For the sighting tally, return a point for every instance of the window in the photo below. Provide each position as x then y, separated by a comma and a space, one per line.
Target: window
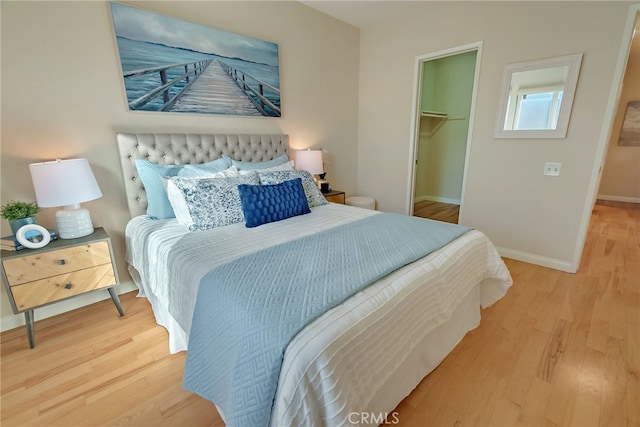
536, 98
533, 109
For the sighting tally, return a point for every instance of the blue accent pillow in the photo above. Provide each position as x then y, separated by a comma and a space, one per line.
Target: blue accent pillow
280, 160
262, 204
158, 206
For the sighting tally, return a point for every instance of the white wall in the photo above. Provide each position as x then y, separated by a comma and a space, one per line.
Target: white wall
531, 216
62, 97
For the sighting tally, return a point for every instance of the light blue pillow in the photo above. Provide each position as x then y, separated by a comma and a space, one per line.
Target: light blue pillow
213, 166
158, 206
151, 174
262, 204
311, 190
280, 160
213, 202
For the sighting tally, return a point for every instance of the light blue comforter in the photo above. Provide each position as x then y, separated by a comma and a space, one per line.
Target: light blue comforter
248, 310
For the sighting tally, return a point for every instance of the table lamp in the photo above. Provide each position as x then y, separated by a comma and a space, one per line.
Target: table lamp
311, 161
66, 183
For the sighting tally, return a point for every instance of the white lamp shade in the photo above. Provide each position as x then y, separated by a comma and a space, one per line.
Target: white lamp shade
310, 160
64, 182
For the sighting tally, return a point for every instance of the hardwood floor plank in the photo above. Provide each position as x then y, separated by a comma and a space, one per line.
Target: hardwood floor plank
555, 347
536, 402
613, 410
506, 413
496, 393
525, 368
438, 211
563, 397
559, 349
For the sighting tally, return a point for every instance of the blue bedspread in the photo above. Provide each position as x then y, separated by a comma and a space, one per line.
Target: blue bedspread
248, 310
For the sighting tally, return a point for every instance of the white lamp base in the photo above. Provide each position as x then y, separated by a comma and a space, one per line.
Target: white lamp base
73, 222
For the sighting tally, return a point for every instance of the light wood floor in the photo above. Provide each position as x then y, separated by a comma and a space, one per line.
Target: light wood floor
435, 210
558, 350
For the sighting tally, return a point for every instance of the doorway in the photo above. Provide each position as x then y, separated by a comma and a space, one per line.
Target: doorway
607, 132
444, 98
620, 179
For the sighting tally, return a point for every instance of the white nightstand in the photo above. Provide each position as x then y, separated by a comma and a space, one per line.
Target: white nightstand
63, 269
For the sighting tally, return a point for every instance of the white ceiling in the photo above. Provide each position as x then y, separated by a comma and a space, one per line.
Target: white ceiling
359, 13
363, 13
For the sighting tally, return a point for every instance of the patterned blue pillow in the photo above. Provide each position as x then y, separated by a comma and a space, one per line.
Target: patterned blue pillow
213, 202
262, 204
311, 190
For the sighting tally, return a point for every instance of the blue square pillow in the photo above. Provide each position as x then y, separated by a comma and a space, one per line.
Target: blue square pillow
262, 204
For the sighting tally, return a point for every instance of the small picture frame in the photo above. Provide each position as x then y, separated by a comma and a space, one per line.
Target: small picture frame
630, 132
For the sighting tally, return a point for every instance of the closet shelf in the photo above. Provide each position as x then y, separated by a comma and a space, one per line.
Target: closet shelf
437, 118
436, 114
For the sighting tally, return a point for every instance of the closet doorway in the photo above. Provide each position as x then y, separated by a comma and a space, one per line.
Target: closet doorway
443, 113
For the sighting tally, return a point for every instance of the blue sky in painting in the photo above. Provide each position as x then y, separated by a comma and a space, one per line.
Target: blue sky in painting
142, 25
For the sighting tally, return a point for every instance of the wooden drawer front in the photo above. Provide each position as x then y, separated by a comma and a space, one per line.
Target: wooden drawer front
43, 291
337, 198
53, 263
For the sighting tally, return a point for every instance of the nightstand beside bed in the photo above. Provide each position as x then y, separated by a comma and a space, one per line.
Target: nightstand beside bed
335, 196
63, 269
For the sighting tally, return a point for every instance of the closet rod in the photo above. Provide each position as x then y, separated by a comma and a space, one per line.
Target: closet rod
438, 114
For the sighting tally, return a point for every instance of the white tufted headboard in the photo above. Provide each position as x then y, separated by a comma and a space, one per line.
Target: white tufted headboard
180, 149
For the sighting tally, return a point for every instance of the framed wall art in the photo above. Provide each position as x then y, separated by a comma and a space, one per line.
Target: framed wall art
170, 65
630, 133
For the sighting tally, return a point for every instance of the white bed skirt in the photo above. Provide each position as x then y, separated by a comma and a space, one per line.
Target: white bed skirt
331, 407
429, 352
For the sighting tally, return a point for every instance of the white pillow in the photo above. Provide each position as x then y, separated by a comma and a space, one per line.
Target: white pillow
281, 159
179, 205
283, 167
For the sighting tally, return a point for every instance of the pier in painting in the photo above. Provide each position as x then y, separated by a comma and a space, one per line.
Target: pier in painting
208, 85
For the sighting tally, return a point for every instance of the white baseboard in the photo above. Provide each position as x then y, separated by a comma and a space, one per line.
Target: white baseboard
556, 264
11, 321
437, 199
619, 198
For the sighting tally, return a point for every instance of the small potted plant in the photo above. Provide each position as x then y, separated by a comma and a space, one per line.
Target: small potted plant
19, 214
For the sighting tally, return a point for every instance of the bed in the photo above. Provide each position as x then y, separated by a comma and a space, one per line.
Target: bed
351, 365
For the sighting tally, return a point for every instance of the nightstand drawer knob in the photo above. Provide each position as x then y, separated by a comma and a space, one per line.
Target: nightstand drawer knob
61, 262
68, 286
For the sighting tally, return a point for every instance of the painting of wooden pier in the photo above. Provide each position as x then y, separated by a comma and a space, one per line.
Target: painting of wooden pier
169, 65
